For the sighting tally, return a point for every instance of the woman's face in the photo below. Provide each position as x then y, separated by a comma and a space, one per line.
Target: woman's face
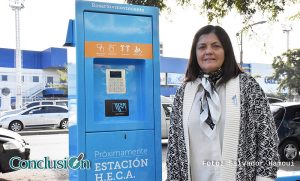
209, 52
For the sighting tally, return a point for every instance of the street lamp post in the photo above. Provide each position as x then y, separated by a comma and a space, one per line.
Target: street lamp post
286, 29
240, 33
16, 6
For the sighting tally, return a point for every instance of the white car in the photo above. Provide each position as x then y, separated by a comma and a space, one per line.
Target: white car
37, 116
166, 108
46, 102
36, 103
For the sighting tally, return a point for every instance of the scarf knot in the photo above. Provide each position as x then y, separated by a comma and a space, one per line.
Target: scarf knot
210, 109
212, 77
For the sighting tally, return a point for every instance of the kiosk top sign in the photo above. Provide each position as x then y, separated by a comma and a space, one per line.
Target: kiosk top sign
117, 7
118, 50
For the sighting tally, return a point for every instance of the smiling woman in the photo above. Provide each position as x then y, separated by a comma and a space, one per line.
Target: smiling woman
210, 53
219, 106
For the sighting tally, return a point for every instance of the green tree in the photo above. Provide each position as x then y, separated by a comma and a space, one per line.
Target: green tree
287, 71
63, 77
296, 16
216, 9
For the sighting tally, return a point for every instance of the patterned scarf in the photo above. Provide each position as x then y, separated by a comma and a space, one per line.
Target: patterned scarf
210, 111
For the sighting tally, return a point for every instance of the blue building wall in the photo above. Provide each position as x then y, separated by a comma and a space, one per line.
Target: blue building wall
7, 58
31, 59
53, 92
173, 65
49, 58
54, 58
168, 90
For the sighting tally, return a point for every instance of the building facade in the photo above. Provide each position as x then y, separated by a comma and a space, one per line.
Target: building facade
173, 70
39, 72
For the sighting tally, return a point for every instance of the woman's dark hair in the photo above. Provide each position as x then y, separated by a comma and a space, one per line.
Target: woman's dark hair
230, 67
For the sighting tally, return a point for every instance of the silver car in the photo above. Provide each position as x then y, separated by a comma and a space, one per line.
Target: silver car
37, 116
36, 103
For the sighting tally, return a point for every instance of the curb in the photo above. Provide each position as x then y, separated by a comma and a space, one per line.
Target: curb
43, 132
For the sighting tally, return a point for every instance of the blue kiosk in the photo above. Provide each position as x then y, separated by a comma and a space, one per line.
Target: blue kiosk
115, 112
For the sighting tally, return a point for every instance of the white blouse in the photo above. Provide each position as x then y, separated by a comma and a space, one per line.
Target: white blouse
205, 152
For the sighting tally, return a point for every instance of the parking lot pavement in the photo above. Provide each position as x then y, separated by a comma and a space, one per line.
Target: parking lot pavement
42, 131
34, 175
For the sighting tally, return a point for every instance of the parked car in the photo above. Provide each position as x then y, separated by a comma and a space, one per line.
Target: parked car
36, 103
287, 120
12, 145
274, 100
37, 116
46, 102
166, 108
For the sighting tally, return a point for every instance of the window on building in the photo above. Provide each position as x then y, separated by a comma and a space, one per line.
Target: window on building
35, 79
23, 78
13, 102
174, 78
49, 80
163, 78
161, 49
4, 77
